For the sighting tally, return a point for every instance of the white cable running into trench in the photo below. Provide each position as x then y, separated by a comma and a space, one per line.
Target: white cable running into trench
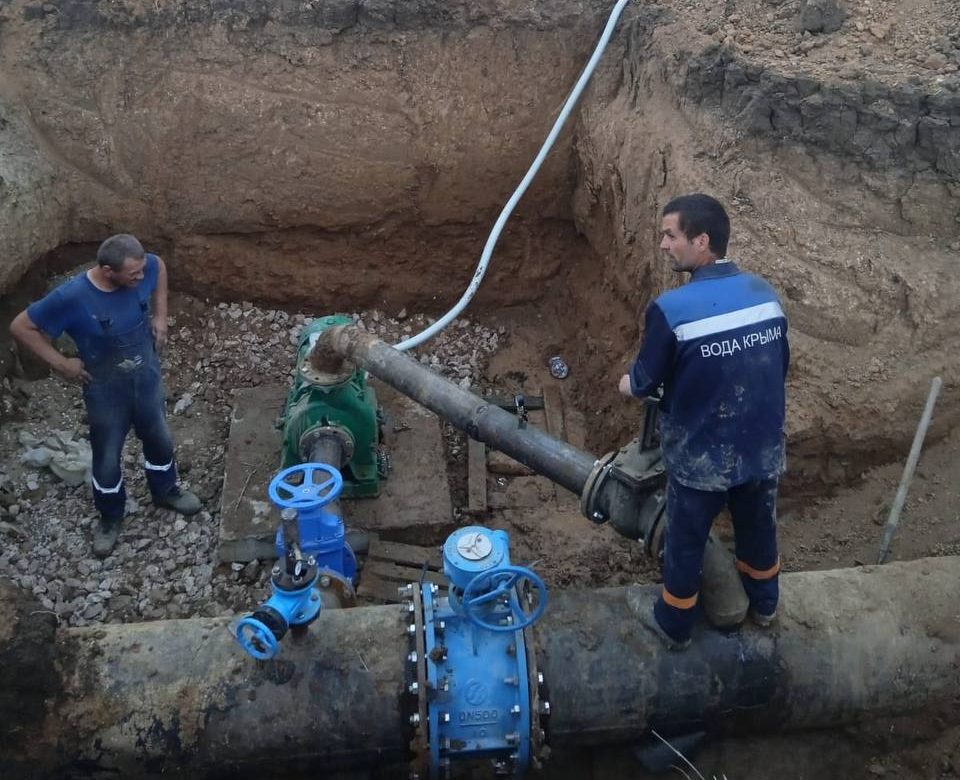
498, 226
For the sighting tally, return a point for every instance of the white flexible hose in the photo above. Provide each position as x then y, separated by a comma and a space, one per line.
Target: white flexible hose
478, 275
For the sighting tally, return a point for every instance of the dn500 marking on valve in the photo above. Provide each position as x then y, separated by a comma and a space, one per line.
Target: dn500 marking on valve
477, 717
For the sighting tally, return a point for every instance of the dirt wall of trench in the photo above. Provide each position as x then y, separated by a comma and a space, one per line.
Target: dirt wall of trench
844, 194
306, 153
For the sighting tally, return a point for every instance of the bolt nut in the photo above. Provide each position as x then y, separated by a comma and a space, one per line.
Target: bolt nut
412, 658
512, 738
441, 625
415, 719
410, 607
545, 708
445, 717
434, 588
515, 709
540, 678
414, 687
412, 629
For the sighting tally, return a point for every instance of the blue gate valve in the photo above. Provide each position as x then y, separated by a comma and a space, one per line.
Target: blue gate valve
307, 488
476, 677
295, 602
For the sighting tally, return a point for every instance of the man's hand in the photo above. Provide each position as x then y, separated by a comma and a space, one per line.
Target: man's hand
158, 325
624, 385
72, 370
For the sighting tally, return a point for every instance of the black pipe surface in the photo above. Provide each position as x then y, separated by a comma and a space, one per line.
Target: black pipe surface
545, 454
181, 697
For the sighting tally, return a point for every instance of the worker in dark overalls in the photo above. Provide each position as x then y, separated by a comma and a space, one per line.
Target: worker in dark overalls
718, 346
107, 312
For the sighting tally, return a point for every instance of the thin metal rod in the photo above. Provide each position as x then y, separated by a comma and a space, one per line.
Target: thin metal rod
894, 518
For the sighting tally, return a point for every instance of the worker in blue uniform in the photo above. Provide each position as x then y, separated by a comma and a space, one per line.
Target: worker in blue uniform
718, 346
116, 313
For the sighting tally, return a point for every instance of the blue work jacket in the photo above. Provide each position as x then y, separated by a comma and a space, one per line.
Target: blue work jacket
718, 345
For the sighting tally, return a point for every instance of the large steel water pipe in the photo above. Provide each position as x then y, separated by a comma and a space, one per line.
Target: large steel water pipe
623, 487
179, 698
564, 464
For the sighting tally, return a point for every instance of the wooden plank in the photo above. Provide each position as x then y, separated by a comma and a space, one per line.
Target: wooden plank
375, 589
476, 476
408, 554
553, 409
401, 575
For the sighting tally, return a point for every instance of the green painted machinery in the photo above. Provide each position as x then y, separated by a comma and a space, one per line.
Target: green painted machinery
333, 417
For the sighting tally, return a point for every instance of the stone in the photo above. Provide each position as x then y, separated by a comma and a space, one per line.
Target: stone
250, 572
821, 16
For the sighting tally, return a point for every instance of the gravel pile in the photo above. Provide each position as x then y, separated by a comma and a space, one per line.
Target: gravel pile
164, 565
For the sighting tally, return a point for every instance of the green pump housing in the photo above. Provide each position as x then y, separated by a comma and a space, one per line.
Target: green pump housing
343, 406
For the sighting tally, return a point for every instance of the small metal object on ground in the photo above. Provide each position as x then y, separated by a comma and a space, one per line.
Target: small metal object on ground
559, 368
908, 470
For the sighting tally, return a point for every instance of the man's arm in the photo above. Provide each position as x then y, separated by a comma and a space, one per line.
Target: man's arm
32, 338
655, 358
158, 304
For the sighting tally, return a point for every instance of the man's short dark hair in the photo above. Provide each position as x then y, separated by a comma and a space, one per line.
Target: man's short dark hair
699, 213
116, 249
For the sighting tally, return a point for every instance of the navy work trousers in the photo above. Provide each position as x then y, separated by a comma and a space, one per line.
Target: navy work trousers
114, 404
690, 513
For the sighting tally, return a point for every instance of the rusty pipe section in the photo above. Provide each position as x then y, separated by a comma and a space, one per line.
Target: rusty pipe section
531, 446
179, 699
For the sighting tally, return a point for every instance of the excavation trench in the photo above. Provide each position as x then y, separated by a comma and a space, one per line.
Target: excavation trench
289, 163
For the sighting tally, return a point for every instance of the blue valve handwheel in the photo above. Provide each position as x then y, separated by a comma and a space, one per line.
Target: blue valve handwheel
310, 493
489, 586
257, 639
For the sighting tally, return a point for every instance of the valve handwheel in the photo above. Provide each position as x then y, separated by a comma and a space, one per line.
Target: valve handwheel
489, 586
256, 638
319, 485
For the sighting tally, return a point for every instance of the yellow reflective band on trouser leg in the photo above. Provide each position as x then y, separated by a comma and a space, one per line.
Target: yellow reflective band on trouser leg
100, 489
679, 603
758, 574
151, 467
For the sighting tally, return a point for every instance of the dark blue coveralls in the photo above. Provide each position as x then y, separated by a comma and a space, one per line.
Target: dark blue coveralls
114, 341
718, 345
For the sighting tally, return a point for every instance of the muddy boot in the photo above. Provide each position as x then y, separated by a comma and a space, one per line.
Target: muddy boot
649, 619
762, 620
182, 501
724, 600
105, 536
640, 604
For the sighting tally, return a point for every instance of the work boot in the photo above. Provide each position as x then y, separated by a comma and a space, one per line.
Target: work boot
649, 619
762, 620
105, 536
181, 501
